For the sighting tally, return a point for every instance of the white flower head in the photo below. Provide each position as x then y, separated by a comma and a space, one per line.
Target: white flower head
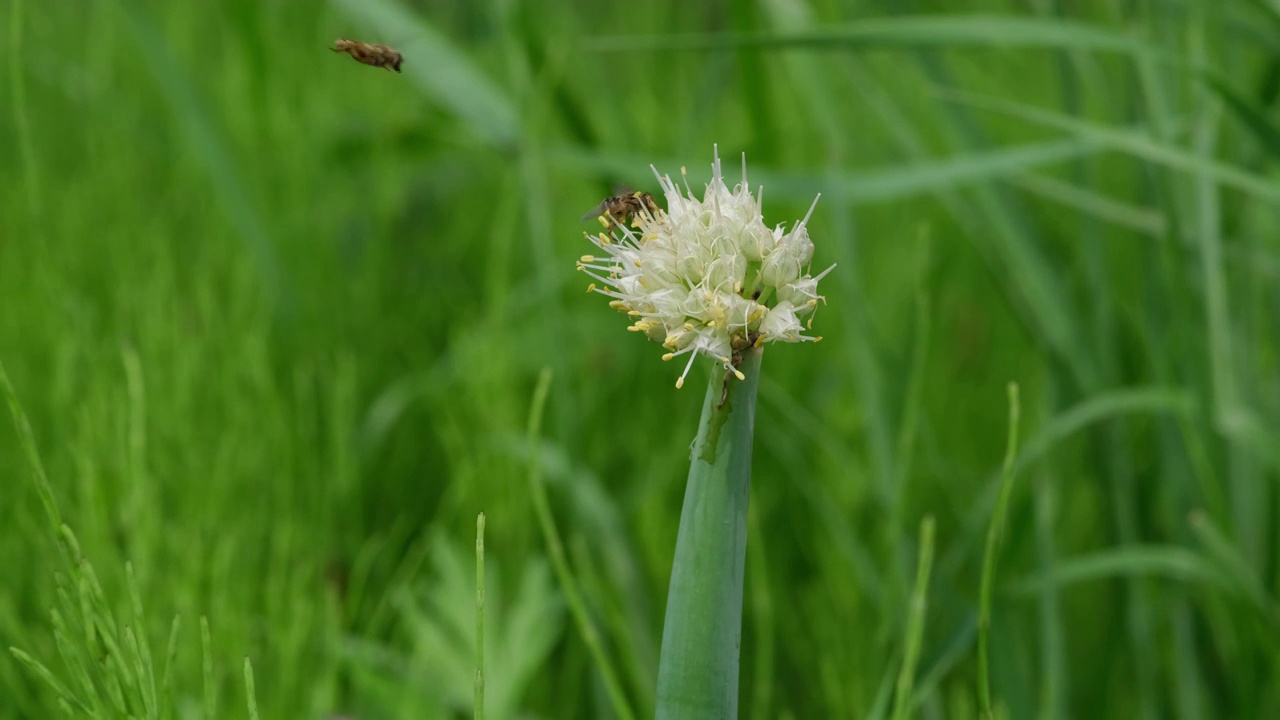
707, 276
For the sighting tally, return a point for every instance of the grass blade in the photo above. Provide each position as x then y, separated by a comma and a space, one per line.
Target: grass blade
915, 623
250, 693
1101, 407
1171, 562
568, 584
1259, 123
21, 125
1132, 141
989, 557
211, 147
209, 696
907, 31
876, 185
479, 700
26, 438
170, 657
1227, 556
42, 672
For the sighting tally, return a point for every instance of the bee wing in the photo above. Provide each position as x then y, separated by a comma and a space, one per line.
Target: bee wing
596, 211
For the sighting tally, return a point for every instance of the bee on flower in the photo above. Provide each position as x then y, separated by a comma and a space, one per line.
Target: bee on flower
621, 208
708, 277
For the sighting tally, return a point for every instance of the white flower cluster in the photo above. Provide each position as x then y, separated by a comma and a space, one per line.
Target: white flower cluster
707, 276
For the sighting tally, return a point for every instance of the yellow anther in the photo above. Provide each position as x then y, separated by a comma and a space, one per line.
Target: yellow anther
738, 374
591, 288
679, 383
668, 356
587, 258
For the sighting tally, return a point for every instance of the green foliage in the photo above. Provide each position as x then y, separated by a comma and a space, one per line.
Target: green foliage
276, 320
431, 671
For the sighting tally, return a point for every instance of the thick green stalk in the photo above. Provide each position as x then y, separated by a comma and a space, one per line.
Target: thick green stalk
698, 668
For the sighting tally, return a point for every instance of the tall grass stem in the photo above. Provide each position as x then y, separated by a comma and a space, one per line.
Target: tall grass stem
479, 701
915, 622
568, 584
989, 556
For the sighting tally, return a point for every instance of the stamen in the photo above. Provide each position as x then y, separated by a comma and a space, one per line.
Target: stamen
680, 381
602, 279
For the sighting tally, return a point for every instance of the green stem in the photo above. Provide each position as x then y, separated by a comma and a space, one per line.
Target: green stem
22, 128
915, 622
986, 711
478, 710
560, 563
698, 668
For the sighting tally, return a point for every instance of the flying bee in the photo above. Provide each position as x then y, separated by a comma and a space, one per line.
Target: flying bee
370, 53
623, 207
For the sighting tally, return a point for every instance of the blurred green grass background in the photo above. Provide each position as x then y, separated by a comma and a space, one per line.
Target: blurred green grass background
276, 318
